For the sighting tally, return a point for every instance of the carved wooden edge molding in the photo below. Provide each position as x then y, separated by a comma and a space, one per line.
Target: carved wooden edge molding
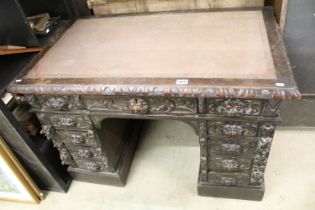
120, 90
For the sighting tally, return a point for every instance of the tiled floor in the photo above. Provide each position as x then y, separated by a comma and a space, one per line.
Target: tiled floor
164, 177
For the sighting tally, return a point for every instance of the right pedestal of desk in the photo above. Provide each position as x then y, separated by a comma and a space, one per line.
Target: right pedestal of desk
234, 149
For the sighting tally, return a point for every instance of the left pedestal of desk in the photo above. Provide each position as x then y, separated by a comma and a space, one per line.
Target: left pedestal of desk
97, 149
46, 176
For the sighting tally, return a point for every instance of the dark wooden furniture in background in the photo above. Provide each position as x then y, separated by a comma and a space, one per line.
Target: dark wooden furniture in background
83, 103
299, 37
297, 21
36, 153
104, 7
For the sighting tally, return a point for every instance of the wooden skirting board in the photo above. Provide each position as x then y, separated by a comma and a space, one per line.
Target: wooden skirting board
104, 7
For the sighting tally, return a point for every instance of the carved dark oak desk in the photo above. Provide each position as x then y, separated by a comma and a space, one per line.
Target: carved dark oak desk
224, 73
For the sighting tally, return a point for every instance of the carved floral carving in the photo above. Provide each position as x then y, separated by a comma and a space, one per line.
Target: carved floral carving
55, 102
84, 153
272, 108
138, 106
261, 154
225, 180
232, 129
85, 138
65, 121
166, 106
94, 166
143, 104
65, 156
48, 131
76, 139
232, 147
173, 105
222, 163
228, 179
230, 164
30, 99
59, 102
234, 107
203, 151
87, 153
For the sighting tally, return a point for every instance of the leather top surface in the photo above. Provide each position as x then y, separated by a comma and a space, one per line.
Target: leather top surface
230, 45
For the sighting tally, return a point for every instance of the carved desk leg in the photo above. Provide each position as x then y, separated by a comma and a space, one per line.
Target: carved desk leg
232, 164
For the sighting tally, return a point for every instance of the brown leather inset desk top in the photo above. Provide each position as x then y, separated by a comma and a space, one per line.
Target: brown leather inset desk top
231, 54
191, 45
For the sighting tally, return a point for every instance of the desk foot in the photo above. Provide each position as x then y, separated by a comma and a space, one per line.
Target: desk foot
119, 177
234, 192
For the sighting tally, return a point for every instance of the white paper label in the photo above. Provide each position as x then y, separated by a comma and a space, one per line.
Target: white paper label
280, 84
181, 81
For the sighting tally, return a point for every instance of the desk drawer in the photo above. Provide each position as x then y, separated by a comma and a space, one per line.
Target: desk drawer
234, 107
80, 138
59, 102
233, 129
232, 147
92, 165
228, 179
141, 105
64, 121
86, 153
230, 164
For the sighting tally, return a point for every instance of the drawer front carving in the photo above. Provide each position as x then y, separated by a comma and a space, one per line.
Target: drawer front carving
84, 138
232, 147
54, 102
86, 153
234, 107
245, 129
228, 179
225, 163
141, 105
65, 120
92, 165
